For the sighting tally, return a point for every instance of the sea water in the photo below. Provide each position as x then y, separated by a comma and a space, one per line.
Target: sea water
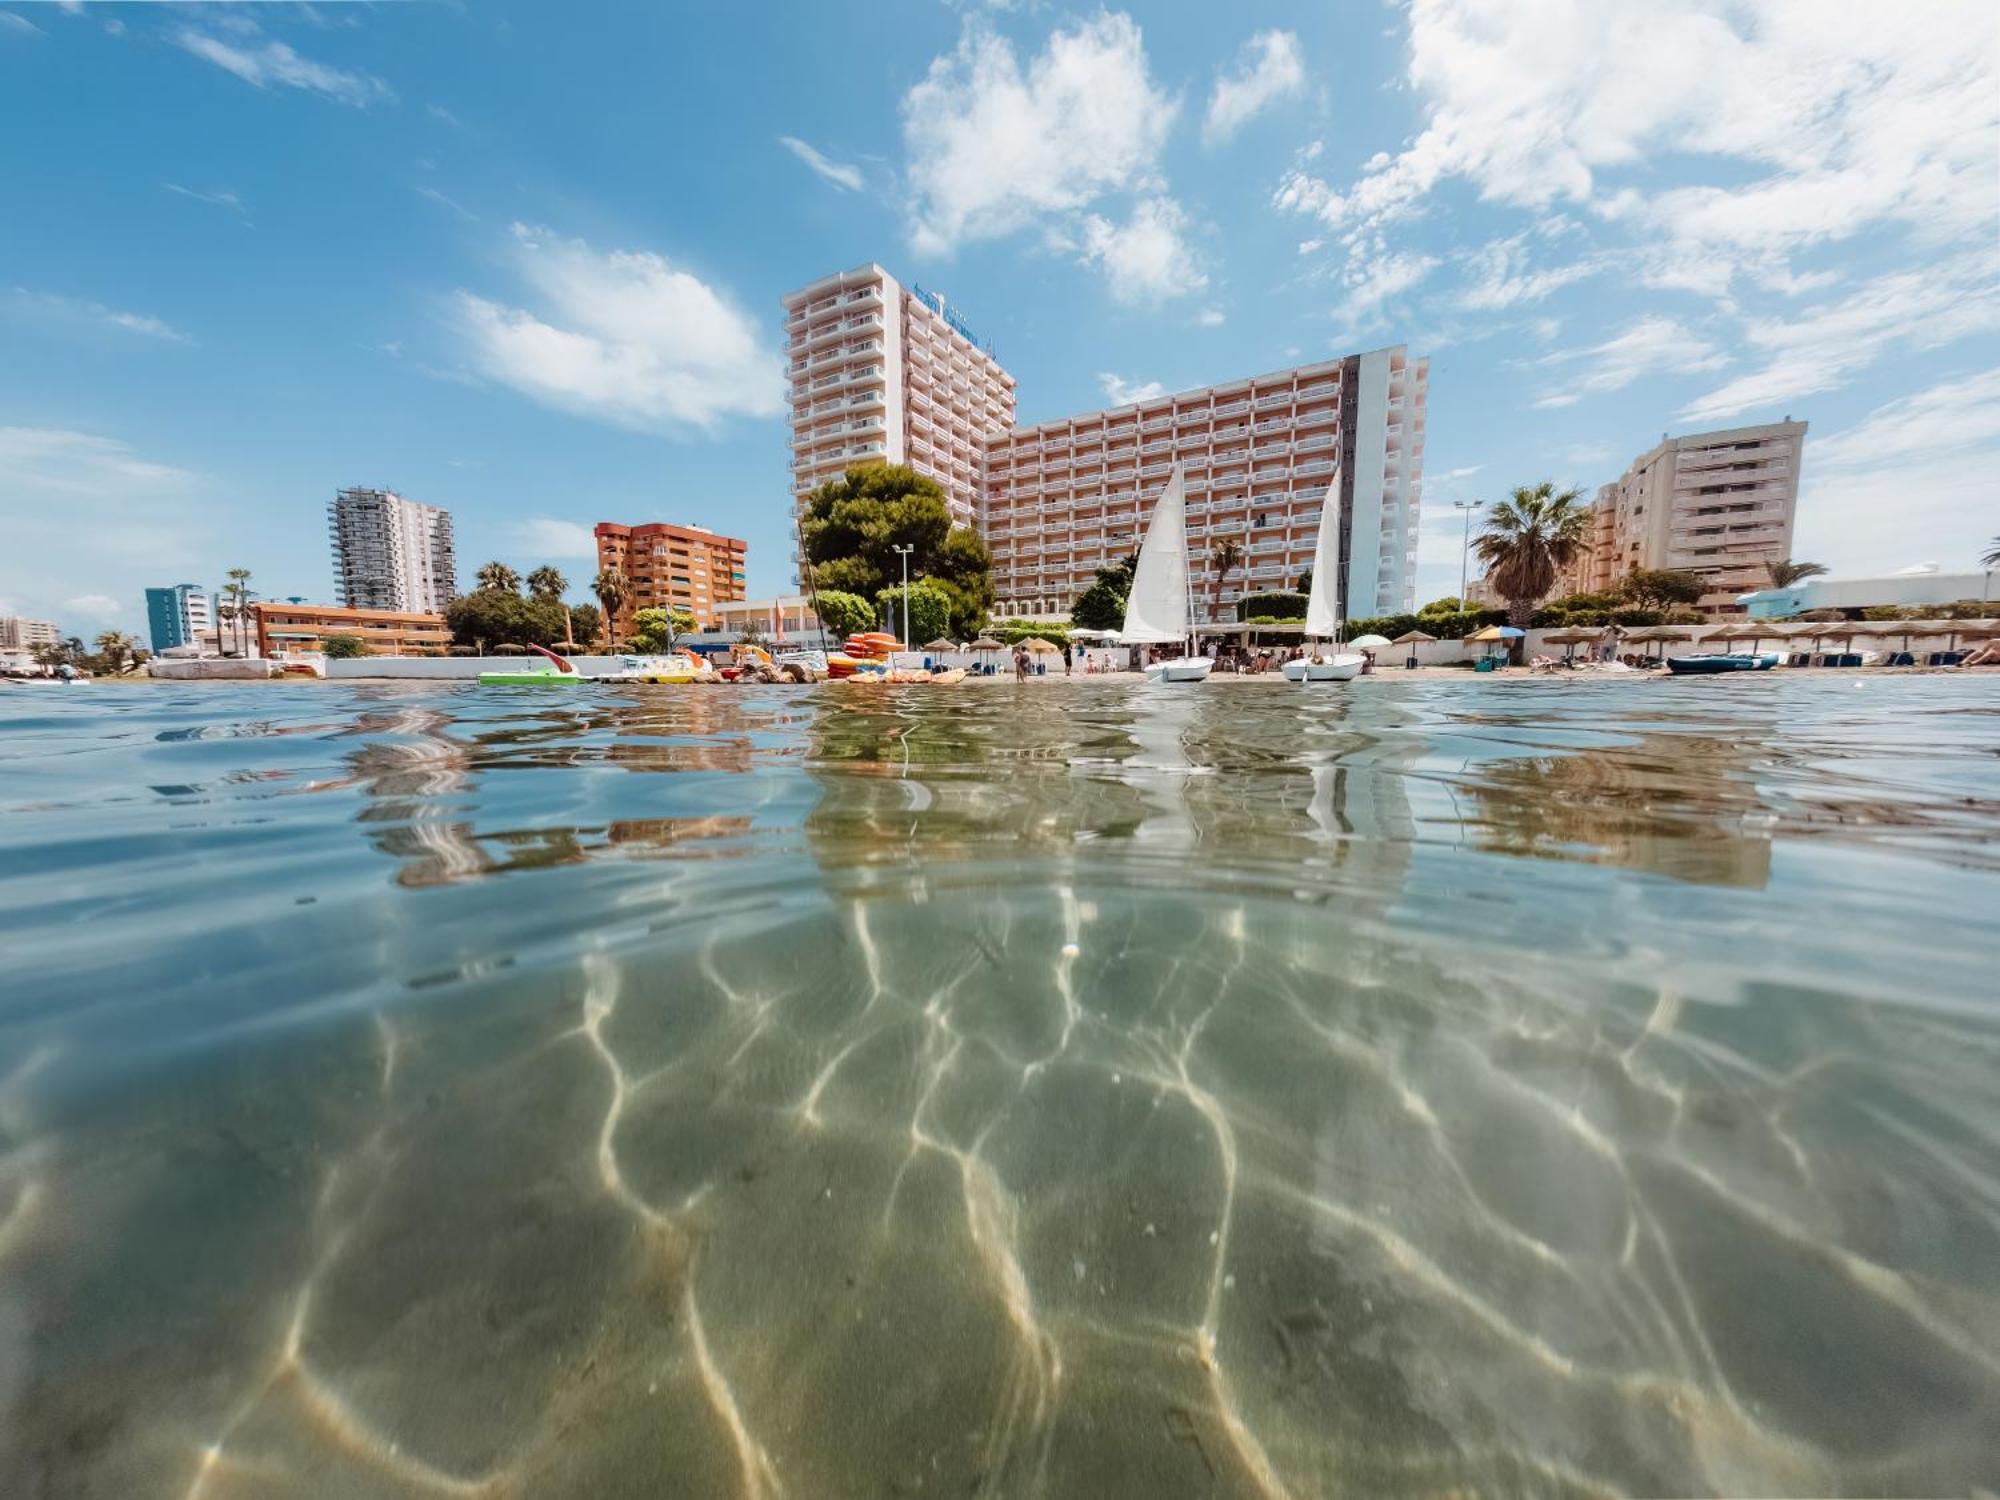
1093, 1089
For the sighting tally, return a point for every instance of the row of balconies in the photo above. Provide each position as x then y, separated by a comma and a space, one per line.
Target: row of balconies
1087, 446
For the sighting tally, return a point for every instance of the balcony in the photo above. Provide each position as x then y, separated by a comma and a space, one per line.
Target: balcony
1232, 408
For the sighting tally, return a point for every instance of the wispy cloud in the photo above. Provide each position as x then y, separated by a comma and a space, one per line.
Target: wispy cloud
623, 337
1652, 345
841, 174
1121, 392
54, 307
432, 195
263, 62
1210, 317
1269, 69
18, 25
217, 198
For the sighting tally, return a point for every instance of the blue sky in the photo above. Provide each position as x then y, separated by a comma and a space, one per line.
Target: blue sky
523, 261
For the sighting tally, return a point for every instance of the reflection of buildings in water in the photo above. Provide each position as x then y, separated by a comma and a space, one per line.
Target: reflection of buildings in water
1672, 804
441, 853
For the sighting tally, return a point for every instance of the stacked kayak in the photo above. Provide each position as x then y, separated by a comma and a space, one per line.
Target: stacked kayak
864, 652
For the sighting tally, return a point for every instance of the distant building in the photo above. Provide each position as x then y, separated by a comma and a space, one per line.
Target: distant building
786, 620
390, 553
1911, 587
672, 567
1719, 504
178, 615
289, 629
20, 634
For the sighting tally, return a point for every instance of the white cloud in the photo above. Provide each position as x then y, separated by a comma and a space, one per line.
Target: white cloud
51, 305
1821, 347
1121, 392
623, 337
265, 62
1813, 121
1210, 317
1147, 259
432, 195
55, 461
1268, 69
219, 198
1653, 345
1371, 282
18, 25
1502, 277
1913, 479
99, 609
992, 149
548, 539
440, 113
841, 174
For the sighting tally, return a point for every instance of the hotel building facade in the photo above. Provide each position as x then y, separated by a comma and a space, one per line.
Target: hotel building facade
292, 629
18, 633
178, 615
390, 553
672, 567
881, 372
1718, 504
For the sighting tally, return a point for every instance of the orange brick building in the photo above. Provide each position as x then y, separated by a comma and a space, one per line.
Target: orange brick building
288, 629
672, 567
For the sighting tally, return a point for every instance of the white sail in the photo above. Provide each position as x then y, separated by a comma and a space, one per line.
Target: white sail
1323, 603
1157, 608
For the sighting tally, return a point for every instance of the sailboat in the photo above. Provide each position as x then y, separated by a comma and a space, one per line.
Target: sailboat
1329, 664
1161, 604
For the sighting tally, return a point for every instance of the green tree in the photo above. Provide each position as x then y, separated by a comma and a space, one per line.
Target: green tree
1226, 556
610, 588
1305, 583
852, 525
586, 624
656, 630
842, 613
343, 647
114, 650
236, 593
1529, 539
1102, 605
1449, 605
547, 583
1784, 574
930, 610
1661, 588
490, 617
498, 578
1277, 605
1990, 558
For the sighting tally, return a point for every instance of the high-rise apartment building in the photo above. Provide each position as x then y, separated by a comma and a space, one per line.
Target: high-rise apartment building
18, 633
390, 553
884, 371
672, 567
178, 615
1720, 504
880, 372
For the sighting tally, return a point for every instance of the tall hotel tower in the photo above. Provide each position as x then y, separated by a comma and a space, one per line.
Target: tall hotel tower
391, 553
883, 373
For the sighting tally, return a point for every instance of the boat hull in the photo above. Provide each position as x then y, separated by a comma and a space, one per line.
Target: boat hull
529, 679
1343, 666
1181, 669
1736, 661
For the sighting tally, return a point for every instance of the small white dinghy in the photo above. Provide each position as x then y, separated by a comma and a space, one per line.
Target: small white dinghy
1160, 606
1325, 663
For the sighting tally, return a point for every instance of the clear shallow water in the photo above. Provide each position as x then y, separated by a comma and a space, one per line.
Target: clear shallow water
1556, 1088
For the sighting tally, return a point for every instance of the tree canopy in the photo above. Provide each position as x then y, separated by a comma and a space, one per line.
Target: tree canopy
842, 613
489, 617
853, 524
547, 582
1660, 588
499, 578
343, 647
1784, 574
1102, 605
657, 629
930, 611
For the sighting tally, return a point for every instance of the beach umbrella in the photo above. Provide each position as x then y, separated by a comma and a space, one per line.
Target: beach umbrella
941, 644
1569, 640
1039, 647
1494, 633
1369, 642
1412, 639
986, 643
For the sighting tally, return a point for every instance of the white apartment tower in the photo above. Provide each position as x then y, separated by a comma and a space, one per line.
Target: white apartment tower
391, 553
883, 372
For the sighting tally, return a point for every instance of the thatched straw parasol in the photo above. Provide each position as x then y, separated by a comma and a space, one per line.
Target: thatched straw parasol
941, 644
986, 643
1412, 639
1569, 640
1040, 647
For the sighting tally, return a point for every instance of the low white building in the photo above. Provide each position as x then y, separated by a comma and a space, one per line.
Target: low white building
1923, 584
787, 619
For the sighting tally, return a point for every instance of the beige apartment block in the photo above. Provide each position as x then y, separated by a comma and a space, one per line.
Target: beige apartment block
892, 373
1720, 504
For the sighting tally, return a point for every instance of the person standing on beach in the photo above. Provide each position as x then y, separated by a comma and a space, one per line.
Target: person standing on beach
1066, 659
1020, 663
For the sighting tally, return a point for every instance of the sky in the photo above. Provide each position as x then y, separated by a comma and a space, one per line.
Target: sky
524, 260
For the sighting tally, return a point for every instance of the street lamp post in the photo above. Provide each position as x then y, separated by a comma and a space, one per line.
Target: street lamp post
1465, 547
904, 553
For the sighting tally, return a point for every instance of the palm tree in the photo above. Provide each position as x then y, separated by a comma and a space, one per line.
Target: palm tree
1530, 538
1785, 574
1991, 557
113, 647
1225, 557
609, 586
547, 583
238, 608
500, 578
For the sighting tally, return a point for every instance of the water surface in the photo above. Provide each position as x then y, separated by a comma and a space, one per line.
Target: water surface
1561, 1088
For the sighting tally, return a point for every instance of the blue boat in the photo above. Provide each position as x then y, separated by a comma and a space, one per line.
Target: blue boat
1722, 661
